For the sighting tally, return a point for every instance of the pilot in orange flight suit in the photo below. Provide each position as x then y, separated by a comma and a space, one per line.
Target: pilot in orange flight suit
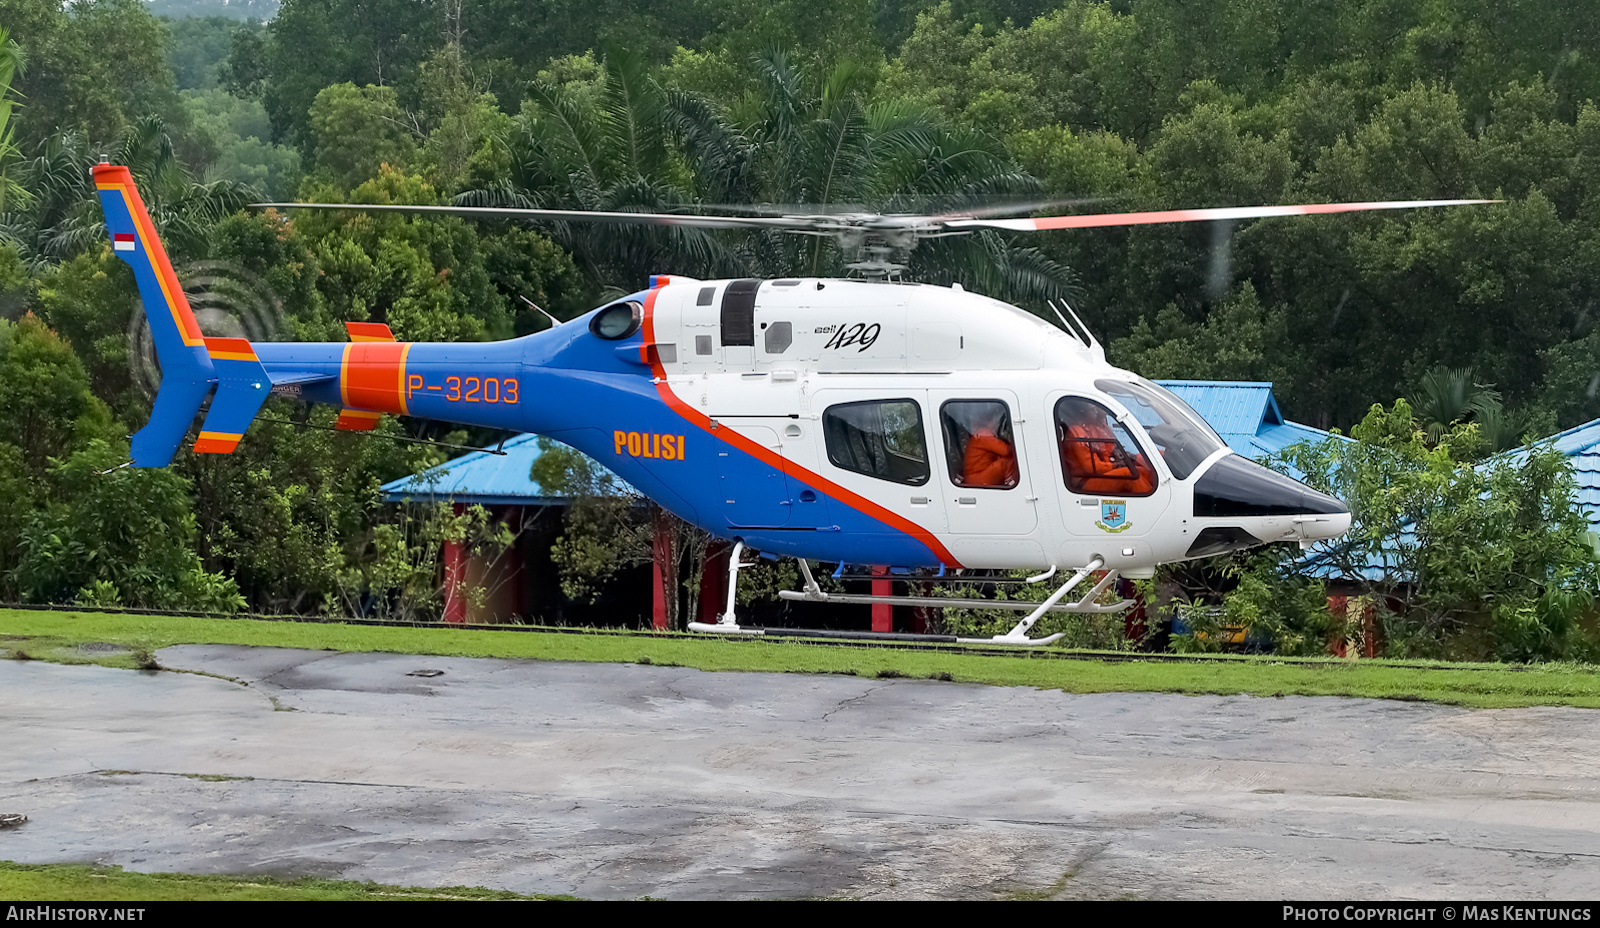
1096, 462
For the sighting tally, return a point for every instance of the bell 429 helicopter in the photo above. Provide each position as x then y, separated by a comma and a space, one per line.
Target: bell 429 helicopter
854, 421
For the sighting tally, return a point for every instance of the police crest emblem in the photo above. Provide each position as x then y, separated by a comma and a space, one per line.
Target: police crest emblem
1114, 516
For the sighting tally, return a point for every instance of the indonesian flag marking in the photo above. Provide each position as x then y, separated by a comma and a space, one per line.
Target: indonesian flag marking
122, 241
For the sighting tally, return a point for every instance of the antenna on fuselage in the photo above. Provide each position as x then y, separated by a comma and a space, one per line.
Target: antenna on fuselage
553, 320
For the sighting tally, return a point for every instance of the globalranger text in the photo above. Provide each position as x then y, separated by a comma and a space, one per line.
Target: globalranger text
61, 913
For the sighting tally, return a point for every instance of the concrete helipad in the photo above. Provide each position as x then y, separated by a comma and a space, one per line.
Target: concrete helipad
618, 781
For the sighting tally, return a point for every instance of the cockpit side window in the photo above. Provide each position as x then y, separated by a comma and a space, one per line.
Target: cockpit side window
979, 446
1182, 437
1098, 455
880, 438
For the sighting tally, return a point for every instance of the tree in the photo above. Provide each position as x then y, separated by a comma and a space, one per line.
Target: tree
601, 145
126, 536
1460, 560
12, 62
817, 142
95, 66
64, 218
1447, 398
356, 130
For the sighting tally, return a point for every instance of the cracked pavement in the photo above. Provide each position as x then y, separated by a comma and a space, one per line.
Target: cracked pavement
621, 781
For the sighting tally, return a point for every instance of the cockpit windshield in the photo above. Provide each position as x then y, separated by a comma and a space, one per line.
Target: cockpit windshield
1185, 439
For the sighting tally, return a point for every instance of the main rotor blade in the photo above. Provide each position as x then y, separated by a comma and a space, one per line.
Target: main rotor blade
1102, 220
796, 223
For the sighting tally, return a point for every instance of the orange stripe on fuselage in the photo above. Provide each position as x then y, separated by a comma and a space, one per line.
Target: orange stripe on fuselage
177, 302
372, 375
853, 500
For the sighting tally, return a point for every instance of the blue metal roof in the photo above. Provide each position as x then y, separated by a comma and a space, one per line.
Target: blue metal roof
1234, 408
480, 477
1245, 414
1581, 444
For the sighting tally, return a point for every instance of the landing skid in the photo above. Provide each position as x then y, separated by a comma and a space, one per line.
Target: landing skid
728, 624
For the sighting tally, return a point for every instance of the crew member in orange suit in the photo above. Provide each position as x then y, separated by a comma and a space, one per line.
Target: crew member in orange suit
1097, 462
990, 460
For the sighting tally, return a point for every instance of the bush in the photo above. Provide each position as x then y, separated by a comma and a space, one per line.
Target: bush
1486, 560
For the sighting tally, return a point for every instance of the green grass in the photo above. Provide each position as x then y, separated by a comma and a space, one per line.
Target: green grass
81, 883
58, 636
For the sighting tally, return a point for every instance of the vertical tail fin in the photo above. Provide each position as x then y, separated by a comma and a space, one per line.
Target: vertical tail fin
187, 373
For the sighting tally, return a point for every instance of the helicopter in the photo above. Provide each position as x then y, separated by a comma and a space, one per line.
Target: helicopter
858, 420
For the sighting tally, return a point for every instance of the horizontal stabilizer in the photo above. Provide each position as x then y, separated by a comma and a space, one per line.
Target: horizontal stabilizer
357, 420
369, 332
290, 378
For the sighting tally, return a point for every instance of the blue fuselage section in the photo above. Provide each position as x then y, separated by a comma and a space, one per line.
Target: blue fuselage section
602, 398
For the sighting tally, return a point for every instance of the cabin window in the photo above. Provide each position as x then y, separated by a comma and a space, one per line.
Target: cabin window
702, 344
1182, 438
880, 438
979, 446
778, 337
706, 293
1098, 455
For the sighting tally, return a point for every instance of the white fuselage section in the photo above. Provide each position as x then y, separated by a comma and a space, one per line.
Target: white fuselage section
815, 344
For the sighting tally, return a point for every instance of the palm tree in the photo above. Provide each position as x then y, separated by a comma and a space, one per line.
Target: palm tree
825, 149
63, 217
12, 62
808, 148
608, 152
1447, 397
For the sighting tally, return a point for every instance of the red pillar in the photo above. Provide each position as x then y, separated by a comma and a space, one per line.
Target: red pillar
662, 574
455, 576
714, 582
882, 613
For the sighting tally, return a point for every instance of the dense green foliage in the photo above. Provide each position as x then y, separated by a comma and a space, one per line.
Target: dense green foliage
1484, 315
1450, 555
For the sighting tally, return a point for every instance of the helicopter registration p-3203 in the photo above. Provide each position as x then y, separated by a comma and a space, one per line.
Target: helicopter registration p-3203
855, 421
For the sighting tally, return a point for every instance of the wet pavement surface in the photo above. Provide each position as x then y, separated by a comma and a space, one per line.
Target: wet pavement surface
622, 781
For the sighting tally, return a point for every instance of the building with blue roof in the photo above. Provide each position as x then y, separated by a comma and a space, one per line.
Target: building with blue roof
1581, 445
482, 478
1245, 414
522, 581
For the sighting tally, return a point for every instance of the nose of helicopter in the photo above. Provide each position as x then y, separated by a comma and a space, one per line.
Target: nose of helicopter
1235, 487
